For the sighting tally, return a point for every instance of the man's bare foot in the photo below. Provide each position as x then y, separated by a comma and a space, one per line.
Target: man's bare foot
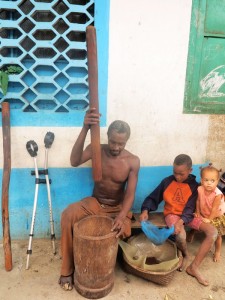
216, 257
195, 273
66, 282
183, 264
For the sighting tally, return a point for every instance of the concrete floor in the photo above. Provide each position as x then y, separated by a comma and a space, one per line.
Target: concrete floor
40, 281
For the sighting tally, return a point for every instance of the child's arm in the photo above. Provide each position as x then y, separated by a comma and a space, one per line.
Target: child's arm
215, 208
197, 209
143, 216
152, 201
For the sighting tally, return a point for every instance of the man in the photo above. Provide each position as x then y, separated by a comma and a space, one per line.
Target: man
112, 196
179, 191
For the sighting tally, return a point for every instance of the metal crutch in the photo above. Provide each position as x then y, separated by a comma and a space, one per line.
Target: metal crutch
48, 140
32, 148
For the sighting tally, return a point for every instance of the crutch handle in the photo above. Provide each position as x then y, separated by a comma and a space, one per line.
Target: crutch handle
40, 172
49, 138
32, 148
43, 181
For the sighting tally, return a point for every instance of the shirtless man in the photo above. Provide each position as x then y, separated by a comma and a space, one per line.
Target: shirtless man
112, 196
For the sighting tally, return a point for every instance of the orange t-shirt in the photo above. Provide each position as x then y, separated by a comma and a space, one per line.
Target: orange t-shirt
176, 196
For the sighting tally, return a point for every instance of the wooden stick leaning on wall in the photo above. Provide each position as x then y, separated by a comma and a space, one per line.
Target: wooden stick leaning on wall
93, 93
5, 185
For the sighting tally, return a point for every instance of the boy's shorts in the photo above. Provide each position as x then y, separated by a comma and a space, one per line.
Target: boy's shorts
172, 219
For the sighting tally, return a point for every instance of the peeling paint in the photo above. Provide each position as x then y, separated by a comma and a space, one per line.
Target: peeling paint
215, 151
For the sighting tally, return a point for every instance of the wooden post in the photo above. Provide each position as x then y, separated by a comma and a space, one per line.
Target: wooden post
93, 93
5, 185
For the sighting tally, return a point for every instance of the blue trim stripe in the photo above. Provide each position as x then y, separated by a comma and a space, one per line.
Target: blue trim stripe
68, 185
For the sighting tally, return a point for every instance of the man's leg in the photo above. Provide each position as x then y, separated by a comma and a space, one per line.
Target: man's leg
72, 214
210, 237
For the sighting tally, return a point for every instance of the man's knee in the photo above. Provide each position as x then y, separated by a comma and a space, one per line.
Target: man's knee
66, 216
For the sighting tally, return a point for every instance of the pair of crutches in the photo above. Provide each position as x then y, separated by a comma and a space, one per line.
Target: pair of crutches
32, 149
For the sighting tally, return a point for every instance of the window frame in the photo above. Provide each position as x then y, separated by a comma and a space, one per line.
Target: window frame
193, 103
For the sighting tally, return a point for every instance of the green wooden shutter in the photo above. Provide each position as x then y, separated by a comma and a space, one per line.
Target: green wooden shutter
205, 78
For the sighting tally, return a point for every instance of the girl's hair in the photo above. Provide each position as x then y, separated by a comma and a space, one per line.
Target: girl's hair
120, 127
209, 168
183, 159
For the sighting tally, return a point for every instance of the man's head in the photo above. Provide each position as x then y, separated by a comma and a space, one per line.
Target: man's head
118, 134
182, 167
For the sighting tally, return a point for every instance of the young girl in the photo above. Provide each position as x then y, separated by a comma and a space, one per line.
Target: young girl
210, 205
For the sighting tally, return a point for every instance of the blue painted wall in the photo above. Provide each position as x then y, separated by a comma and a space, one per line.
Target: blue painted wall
68, 185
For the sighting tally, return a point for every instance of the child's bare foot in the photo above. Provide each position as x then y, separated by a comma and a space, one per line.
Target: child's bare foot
216, 257
195, 273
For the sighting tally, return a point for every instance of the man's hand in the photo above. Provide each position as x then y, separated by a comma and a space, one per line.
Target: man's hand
118, 225
91, 117
143, 216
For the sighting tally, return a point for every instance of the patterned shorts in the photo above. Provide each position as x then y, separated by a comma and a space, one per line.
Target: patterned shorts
172, 219
219, 223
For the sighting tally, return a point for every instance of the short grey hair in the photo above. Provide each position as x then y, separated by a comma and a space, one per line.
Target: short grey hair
120, 127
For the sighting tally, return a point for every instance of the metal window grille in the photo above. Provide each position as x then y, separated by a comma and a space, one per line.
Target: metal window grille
47, 39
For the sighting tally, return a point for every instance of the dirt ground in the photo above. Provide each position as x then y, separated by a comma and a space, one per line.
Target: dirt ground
40, 281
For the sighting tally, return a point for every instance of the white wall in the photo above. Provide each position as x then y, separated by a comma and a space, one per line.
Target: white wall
148, 46
148, 50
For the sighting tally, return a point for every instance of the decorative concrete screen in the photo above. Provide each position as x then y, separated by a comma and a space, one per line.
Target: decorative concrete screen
47, 39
